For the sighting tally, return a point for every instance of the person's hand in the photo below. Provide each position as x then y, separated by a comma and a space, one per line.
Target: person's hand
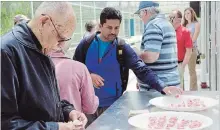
76, 115
172, 90
97, 80
69, 126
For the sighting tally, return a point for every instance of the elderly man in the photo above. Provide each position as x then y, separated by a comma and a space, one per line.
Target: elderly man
184, 42
158, 45
29, 91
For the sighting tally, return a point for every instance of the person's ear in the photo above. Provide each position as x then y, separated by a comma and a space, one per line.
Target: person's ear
44, 19
100, 25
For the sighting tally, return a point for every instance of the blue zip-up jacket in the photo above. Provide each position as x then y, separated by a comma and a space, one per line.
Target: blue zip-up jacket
29, 92
109, 69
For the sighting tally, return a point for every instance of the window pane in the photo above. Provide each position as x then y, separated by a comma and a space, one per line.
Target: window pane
98, 12
87, 15
90, 3
137, 26
100, 4
78, 20
113, 4
36, 4
126, 24
121, 31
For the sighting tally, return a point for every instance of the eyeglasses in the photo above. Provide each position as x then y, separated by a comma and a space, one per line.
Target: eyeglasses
171, 18
141, 12
62, 39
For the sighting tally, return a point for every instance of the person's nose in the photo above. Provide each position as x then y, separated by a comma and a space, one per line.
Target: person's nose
113, 31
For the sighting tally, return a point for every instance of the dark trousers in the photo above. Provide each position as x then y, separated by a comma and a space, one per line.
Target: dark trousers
93, 117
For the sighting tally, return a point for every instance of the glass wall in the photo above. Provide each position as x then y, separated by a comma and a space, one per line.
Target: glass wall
86, 11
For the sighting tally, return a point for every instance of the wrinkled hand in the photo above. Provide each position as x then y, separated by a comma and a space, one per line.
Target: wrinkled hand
69, 126
76, 115
172, 90
97, 80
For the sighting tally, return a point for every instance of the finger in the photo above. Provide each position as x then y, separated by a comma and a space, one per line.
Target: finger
83, 119
77, 127
74, 115
168, 92
180, 90
97, 83
101, 78
96, 86
100, 82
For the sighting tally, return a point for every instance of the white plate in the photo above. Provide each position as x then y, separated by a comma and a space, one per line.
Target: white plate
171, 103
142, 121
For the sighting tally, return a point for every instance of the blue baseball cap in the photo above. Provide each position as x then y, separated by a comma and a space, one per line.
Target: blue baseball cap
146, 4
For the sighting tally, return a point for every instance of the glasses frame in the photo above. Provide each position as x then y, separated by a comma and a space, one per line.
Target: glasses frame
142, 10
62, 38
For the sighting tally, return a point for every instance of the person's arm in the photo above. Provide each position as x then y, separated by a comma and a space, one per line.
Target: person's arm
141, 70
188, 45
10, 118
187, 56
153, 38
196, 33
66, 108
78, 55
90, 101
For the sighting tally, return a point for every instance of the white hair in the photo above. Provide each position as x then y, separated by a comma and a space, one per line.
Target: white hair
59, 8
152, 10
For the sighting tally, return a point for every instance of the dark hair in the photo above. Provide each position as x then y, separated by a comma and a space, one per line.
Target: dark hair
193, 16
110, 13
90, 25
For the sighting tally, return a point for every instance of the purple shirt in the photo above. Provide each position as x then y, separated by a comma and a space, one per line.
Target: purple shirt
75, 83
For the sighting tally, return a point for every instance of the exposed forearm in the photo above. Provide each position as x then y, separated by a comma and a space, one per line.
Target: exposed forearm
196, 34
187, 56
149, 57
194, 38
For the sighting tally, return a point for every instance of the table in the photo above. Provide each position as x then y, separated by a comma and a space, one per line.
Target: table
117, 115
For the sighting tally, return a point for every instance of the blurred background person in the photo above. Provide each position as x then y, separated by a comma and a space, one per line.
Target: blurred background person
91, 27
184, 42
20, 18
190, 21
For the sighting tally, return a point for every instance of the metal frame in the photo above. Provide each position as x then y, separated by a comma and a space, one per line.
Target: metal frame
213, 46
203, 40
218, 43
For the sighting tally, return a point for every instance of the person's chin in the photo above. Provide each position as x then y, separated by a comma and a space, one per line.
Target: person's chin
111, 38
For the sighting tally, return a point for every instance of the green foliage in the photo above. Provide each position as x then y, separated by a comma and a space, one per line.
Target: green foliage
11, 8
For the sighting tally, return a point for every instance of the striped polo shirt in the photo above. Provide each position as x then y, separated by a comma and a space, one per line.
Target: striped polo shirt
160, 36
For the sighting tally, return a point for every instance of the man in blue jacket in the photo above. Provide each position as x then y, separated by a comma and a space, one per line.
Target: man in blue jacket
101, 60
29, 92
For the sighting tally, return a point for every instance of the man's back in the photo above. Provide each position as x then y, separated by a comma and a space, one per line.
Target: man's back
75, 83
159, 29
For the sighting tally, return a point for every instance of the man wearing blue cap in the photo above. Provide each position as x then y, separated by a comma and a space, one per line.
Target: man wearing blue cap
159, 45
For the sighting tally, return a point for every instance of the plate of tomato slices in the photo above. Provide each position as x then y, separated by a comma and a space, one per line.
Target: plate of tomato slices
184, 103
168, 120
